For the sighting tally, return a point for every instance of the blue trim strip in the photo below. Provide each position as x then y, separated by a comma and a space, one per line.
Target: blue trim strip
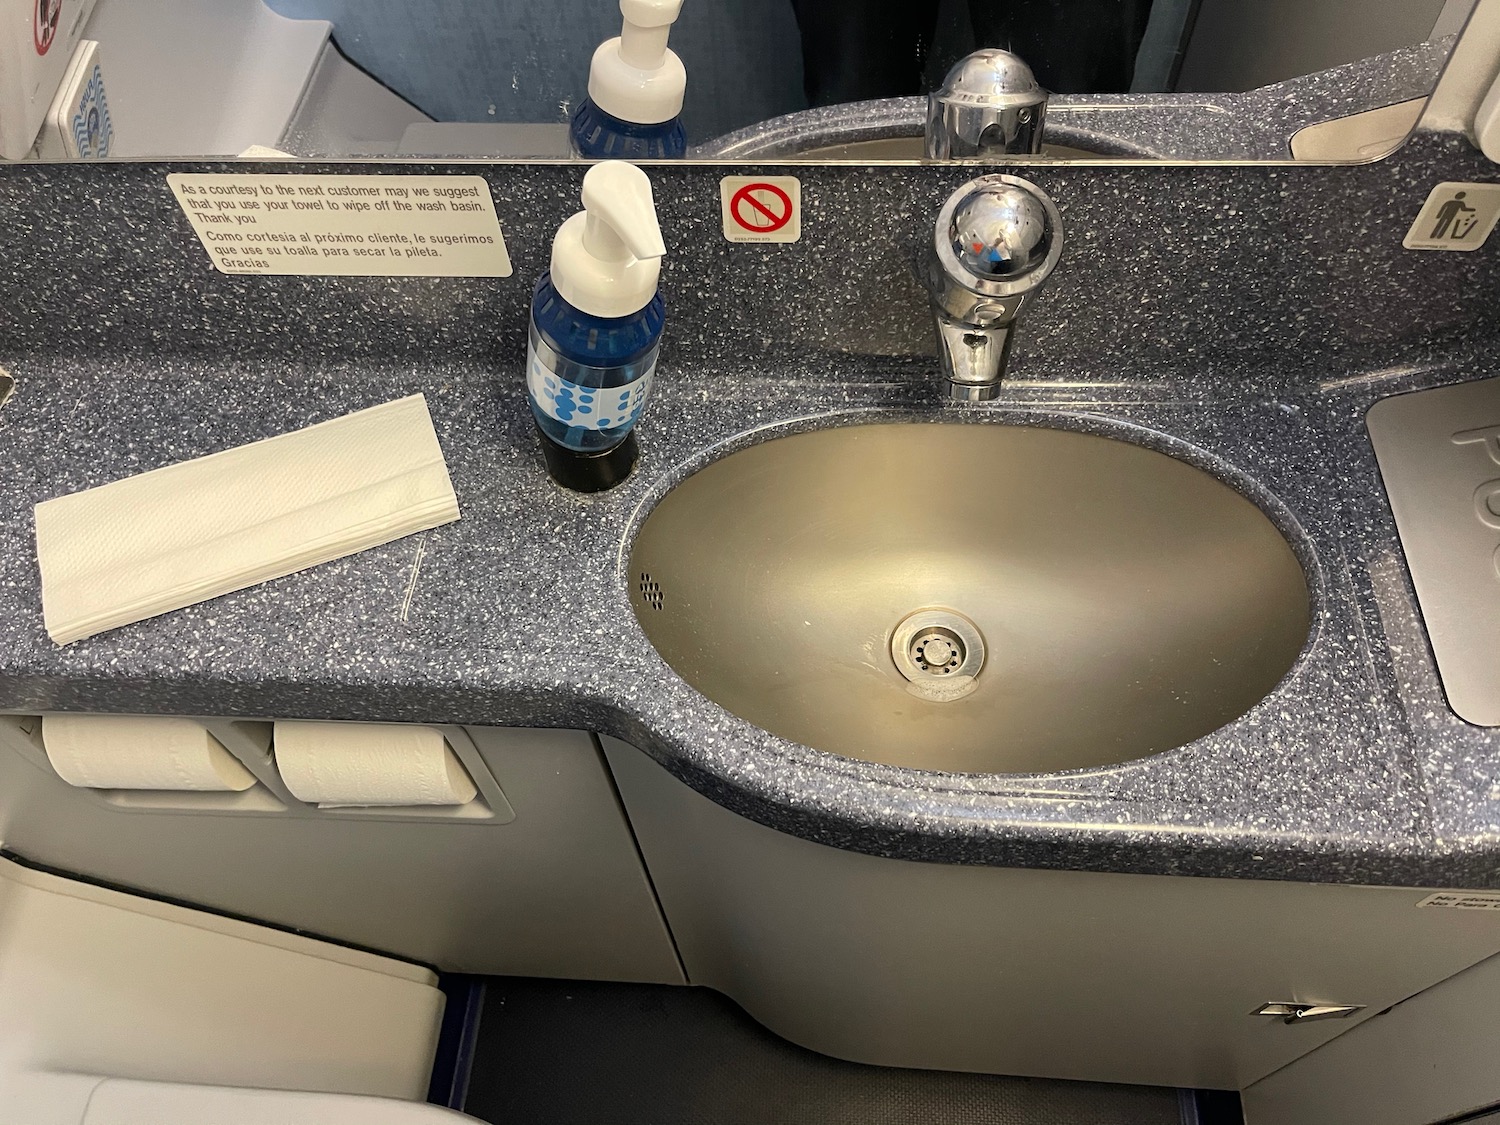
453, 1061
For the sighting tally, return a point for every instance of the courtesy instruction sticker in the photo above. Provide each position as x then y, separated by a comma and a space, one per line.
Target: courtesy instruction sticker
393, 226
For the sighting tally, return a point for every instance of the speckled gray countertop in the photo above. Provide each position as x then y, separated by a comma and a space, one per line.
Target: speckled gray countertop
1241, 318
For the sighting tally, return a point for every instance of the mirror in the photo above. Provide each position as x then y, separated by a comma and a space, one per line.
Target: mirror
766, 79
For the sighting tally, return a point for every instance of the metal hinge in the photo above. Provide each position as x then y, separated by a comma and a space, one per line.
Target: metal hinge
1306, 1013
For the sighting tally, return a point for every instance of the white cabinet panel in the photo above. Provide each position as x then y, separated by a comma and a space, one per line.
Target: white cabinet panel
1431, 1059
1125, 978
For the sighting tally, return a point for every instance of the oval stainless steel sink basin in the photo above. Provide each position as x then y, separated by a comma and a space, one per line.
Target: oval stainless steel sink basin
914, 148
970, 598
894, 129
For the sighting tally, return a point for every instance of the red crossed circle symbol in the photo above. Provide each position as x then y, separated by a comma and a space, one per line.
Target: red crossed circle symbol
759, 216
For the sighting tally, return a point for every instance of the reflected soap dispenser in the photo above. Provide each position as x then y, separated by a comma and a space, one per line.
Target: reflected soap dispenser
596, 321
636, 87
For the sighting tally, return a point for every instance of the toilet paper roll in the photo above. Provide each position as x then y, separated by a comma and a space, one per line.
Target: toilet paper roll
355, 765
137, 752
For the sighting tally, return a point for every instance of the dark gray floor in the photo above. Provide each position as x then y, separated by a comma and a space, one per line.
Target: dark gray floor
570, 1053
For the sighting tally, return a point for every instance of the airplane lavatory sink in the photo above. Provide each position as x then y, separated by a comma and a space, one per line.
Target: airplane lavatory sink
972, 598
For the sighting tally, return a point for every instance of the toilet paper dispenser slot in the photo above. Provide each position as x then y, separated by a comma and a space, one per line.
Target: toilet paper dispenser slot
248, 746
386, 770
140, 752
148, 763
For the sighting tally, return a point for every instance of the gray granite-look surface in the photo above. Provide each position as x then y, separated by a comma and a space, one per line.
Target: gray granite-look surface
1254, 125
1240, 317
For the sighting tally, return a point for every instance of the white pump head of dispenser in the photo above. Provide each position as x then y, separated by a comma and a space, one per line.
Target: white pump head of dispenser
606, 259
635, 76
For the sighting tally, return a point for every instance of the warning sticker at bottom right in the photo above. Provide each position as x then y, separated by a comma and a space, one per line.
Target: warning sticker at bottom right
1456, 900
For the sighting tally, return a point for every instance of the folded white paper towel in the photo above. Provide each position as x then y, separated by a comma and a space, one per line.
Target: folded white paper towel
333, 765
140, 752
178, 535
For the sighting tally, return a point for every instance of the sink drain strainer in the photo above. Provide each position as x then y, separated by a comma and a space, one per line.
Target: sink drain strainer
937, 647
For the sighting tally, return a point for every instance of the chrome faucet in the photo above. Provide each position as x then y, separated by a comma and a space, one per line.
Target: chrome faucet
996, 240
989, 105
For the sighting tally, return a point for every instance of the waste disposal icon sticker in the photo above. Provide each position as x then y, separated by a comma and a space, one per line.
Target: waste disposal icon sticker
1455, 217
761, 209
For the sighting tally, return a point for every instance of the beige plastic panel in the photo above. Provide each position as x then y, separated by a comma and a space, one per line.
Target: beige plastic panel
121, 1101
1120, 978
94, 982
1360, 136
552, 887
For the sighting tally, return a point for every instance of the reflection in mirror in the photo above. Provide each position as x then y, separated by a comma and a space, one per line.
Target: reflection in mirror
764, 79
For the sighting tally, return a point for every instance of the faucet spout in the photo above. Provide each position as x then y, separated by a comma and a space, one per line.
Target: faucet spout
996, 240
973, 359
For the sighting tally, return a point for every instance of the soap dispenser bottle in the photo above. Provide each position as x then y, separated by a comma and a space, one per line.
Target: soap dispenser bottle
596, 320
636, 87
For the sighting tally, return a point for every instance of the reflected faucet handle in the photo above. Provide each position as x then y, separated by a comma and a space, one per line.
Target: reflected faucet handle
989, 105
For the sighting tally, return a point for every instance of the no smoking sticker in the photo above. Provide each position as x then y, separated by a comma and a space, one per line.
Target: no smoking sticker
761, 208
44, 24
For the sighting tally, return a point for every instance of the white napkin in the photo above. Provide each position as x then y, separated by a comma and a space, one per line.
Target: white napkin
192, 531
